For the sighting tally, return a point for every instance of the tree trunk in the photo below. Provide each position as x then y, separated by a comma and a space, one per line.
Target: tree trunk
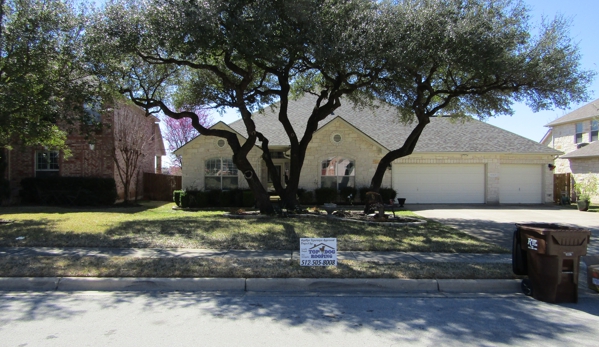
405, 150
260, 194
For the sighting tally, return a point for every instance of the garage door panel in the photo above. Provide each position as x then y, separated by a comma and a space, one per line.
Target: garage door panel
440, 183
520, 184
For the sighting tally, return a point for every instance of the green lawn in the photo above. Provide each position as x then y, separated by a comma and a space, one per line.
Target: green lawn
15, 266
157, 225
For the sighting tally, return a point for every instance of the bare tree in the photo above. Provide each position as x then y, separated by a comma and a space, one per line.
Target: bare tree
178, 132
132, 133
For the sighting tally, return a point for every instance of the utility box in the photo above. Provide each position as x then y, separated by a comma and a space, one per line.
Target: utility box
553, 254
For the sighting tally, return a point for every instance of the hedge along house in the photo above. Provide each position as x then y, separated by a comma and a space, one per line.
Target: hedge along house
92, 156
454, 161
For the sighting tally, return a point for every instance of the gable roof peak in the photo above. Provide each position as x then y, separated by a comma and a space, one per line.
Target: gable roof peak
588, 111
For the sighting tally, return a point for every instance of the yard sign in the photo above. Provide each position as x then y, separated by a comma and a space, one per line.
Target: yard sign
318, 252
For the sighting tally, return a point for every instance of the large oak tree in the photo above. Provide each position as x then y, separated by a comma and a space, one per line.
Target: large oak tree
467, 57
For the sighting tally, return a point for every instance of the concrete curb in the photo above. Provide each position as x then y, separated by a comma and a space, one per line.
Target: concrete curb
339, 285
479, 286
34, 284
150, 284
325, 285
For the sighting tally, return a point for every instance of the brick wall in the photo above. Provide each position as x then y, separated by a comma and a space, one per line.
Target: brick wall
83, 162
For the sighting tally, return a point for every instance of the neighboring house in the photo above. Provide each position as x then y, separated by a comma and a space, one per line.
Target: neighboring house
576, 135
91, 155
454, 161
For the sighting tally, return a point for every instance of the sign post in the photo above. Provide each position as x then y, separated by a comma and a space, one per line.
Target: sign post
318, 252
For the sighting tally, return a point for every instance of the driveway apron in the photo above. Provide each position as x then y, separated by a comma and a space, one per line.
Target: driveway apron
496, 224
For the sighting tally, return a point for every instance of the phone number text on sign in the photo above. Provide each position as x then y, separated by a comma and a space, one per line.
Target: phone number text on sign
318, 252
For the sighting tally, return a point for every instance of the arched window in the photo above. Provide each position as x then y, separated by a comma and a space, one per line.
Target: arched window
220, 173
338, 173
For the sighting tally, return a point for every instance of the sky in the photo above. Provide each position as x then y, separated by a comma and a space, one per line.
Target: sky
583, 16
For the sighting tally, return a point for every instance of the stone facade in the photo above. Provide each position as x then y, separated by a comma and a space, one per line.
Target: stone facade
365, 153
563, 138
196, 152
85, 161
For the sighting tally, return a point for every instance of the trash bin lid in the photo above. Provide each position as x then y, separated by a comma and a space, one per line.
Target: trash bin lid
548, 228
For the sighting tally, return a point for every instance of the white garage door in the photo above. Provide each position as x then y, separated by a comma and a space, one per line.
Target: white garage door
520, 184
440, 183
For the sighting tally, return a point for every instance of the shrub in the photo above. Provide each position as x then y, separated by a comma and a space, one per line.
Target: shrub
362, 192
586, 188
213, 198
226, 198
184, 199
4, 188
177, 197
248, 199
325, 195
306, 197
79, 191
346, 192
387, 194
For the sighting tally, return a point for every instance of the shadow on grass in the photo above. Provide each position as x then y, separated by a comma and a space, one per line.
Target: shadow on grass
117, 208
215, 232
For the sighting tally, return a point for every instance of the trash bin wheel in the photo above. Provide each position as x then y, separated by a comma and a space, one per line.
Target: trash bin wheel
526, 287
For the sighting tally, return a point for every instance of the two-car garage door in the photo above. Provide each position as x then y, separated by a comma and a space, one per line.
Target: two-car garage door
440, 184
465, 183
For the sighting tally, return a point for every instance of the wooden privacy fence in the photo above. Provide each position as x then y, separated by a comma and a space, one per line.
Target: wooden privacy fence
160, 187
562, 188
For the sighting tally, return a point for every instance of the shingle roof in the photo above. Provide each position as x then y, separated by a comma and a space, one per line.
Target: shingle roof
443, 134
587, 111
590, 150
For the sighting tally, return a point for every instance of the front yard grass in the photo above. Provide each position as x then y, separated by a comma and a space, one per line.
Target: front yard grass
14, 266
157, 225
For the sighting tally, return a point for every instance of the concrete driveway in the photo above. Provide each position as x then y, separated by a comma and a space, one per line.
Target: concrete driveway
496, 223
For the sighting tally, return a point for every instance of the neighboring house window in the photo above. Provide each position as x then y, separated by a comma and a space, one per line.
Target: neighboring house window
594, 130
338, 173
578, 136
46, 163
220, 173
92, 109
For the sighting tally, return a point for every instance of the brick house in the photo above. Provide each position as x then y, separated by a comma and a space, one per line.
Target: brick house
91, 155
576, 134
453, 162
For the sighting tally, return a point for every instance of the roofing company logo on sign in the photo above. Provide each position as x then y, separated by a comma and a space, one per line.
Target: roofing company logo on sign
318, 252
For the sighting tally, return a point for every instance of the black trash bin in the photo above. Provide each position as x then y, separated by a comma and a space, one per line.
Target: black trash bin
519, 264
553, 254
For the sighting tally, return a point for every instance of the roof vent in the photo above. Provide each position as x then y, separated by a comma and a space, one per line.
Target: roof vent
580, 145
337, 138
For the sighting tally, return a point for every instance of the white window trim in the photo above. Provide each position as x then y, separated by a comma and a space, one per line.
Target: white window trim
591, 130
37, 169
337, 177
576, 133
221, 176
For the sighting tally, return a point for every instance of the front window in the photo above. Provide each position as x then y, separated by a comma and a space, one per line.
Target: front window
220, 173
46, 163
338, 173
594, 130
578, 136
